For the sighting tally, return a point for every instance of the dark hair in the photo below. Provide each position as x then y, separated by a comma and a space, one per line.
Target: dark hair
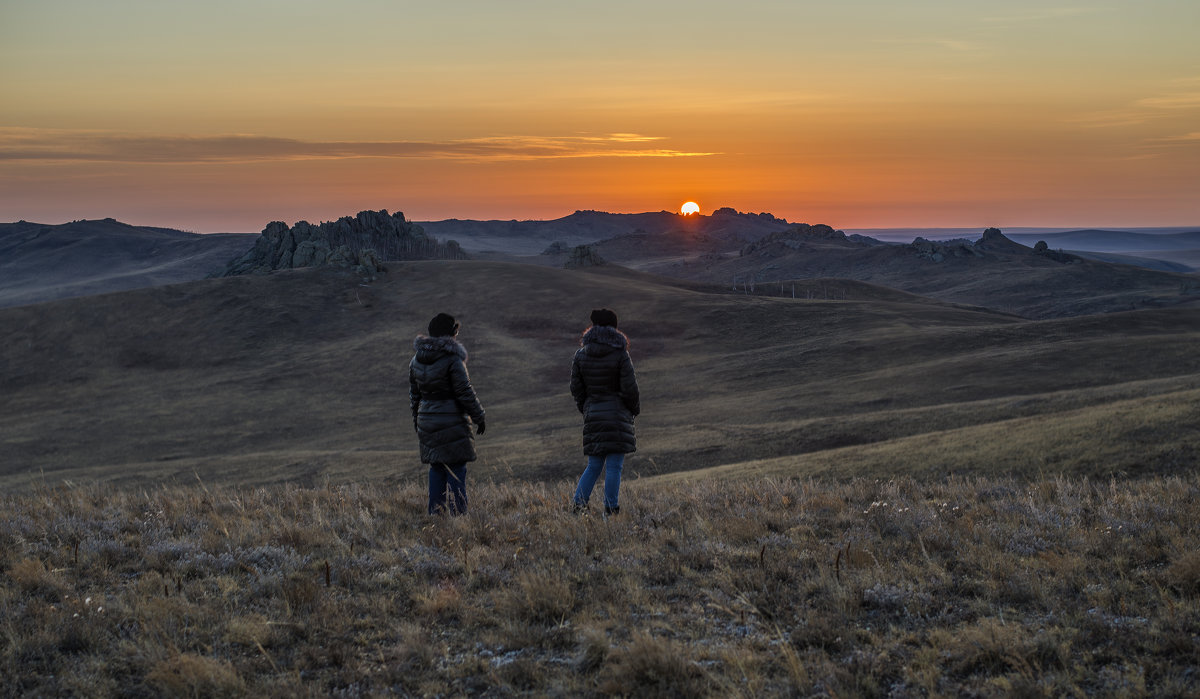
604, 316
443, 325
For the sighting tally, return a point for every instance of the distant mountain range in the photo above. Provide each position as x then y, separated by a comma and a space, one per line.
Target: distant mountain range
992, 271
1113, 241
586, 227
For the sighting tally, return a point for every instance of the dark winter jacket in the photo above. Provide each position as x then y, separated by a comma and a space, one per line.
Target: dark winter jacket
605, 391
442, 400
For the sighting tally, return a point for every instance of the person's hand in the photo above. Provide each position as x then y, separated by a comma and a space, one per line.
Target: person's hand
480, 426
415, 423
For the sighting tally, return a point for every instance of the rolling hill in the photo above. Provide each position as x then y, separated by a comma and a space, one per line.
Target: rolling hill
993, 271
41, 262
585, 227
299, 376
1101, 240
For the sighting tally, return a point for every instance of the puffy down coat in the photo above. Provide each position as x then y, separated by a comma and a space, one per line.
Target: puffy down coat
606, 392
443, 401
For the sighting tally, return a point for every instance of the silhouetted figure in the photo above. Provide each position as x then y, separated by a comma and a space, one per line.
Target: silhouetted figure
605, 390
443, 406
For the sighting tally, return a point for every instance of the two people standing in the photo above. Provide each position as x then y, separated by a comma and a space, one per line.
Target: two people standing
444, 405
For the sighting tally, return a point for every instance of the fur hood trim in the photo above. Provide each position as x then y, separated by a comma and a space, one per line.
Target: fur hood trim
604, 335
424, 343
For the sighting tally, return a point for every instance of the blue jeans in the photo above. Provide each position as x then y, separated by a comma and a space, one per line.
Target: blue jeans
611, 465
454, 477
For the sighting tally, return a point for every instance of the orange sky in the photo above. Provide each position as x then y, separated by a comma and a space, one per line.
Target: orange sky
223, 116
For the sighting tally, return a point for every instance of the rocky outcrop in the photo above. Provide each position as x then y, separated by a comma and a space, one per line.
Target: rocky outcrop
1059, 256
556, 248
796, 237
584, 256
362, 242
995, 241
940, 250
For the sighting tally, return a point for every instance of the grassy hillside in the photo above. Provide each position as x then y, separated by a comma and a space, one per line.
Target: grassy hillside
763, 587
301, 376
44, 262
1005, 275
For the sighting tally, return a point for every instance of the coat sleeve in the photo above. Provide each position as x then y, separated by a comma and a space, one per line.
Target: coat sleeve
464, 393
630, 395
414, 391
578, 387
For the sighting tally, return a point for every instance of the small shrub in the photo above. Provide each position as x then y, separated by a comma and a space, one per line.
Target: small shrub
193, 675
251, 630
1184, 573
593, 650
521, 675
654, 667
826, 631
32, 576
443, 601
541, 597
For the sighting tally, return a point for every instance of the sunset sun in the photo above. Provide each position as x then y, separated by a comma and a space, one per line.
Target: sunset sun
689, 208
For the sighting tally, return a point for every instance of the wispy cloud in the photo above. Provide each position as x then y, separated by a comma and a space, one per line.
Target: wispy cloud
957, 45
98, 146
1187, 138
1168, 105
1179, 100
1040, 14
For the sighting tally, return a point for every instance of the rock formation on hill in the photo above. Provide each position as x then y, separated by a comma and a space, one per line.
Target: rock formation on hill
938, 250
992, 271
1041, 248
361, 241
584, 256
994, 240
795, 238
587, 227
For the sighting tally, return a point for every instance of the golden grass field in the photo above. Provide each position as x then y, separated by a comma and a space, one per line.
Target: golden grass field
756, 587
212, 489
301, 377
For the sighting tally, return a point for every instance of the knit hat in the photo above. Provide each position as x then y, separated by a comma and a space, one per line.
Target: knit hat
603, 316
443, 325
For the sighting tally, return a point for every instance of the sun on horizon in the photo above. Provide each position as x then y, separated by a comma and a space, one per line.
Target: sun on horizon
689, 208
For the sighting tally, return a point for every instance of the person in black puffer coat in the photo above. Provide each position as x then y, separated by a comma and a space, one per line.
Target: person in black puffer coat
605, 390
443, 407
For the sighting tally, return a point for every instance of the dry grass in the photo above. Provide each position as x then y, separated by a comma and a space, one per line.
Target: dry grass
867, 587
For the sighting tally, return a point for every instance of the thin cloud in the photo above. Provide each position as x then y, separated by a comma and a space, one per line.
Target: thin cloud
1186, 100
956, 45
1113, 119
1146, 109
96, 146
1040, 15
1192, 137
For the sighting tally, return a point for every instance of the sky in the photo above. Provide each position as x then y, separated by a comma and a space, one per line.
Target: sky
225, 115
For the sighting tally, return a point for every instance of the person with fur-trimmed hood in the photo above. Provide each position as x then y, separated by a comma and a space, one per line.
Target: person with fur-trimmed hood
605, 390
443, 407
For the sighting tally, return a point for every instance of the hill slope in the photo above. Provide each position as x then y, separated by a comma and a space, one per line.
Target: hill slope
301, 375
993, 271
585, 227
1094, 240
42, 262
